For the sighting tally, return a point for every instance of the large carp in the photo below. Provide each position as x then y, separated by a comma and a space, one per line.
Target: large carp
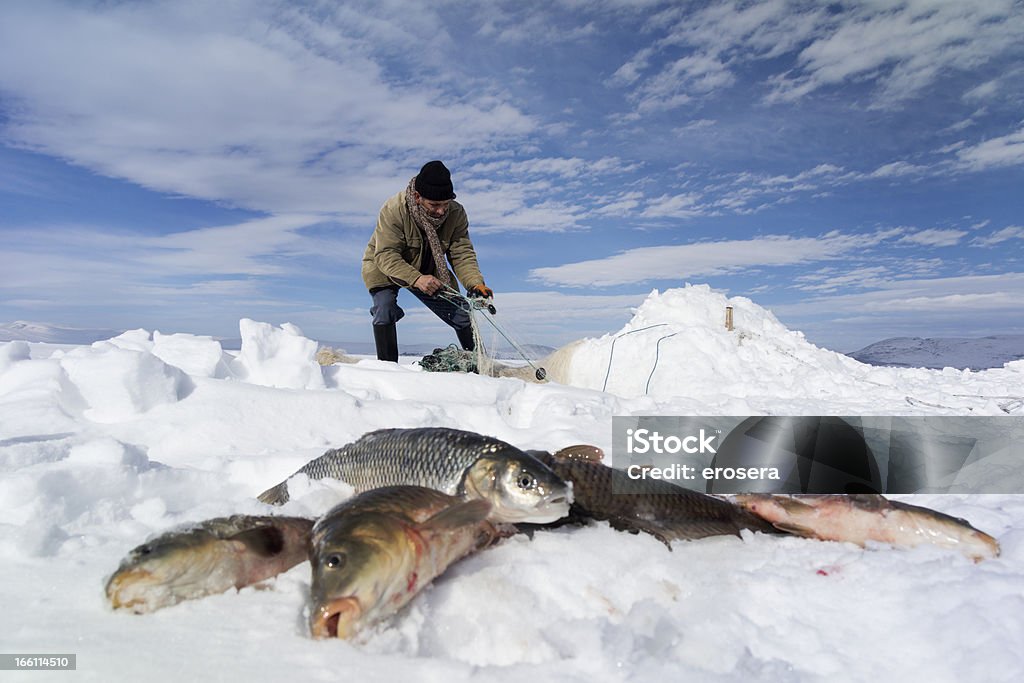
374, 553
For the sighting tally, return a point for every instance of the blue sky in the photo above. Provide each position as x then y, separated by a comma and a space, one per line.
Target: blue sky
857, 168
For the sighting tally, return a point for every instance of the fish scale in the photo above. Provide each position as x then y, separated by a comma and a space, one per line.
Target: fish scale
433, 457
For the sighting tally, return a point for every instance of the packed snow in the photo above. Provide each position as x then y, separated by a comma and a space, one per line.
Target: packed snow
104, 445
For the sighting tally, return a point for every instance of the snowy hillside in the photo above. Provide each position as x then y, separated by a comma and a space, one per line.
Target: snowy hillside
20, 330
916, 352
106, 444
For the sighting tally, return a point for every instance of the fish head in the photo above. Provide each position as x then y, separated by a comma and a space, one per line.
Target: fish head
519, 487
163, 572
359, 568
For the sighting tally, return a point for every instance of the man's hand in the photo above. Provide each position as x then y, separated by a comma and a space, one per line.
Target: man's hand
428, 284
482, 291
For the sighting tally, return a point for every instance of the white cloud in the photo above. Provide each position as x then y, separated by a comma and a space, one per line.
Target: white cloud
263, 106
933, 237
621, 205
678, 262
1007, 150
973, 305
561, 167
984, 91
511, 206
832, 279
230, 250
897, 169
902, 46
673, 206
988, 292
86, 266
692, 126
999, 236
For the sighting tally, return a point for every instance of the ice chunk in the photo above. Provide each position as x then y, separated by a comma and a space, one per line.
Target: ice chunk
119, 383
277, 357
196, 355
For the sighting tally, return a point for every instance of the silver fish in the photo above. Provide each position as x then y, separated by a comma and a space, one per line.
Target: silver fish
374, 553
208, 558
519, 487
859, 518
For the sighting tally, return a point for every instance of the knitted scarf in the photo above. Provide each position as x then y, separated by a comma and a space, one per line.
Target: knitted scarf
429, 224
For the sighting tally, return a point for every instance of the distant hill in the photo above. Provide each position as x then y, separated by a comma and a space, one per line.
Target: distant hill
20, 330
937, 353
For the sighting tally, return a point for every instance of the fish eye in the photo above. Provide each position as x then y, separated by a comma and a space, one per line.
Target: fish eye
335, 561
526, 481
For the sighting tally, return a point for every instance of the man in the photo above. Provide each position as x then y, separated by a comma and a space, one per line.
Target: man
417, 228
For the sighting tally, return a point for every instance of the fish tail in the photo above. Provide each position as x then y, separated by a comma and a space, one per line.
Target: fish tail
276, 495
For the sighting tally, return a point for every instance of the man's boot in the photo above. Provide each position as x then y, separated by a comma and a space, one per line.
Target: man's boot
465, 336
386, 339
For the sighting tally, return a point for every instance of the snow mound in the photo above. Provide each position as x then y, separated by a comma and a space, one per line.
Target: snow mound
196, 356
277, 357
678, 341
677, 346
120, 378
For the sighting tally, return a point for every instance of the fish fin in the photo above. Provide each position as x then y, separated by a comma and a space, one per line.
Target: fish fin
582, 452
275, 495
462, 514
796, 529
634, 526
266, 541
794, 504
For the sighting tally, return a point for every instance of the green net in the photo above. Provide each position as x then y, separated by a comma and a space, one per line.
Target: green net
449, 359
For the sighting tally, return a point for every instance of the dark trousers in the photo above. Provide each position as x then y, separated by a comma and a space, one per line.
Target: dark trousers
386, 311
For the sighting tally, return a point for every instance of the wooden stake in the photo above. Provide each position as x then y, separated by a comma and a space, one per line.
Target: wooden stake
728, 318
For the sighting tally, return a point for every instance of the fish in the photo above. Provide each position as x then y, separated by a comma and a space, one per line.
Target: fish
207, 558
372, 554
860, 517
519, 487
653, 506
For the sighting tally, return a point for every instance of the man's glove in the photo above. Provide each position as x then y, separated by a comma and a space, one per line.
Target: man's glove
482, 291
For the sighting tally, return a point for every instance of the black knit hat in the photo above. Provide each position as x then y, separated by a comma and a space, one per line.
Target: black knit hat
434, 182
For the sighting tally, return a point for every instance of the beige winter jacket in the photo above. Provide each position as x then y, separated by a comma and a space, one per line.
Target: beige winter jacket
396, 248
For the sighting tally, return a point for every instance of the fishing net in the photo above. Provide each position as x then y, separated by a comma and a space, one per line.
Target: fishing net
449, 359
482, 360
454, 359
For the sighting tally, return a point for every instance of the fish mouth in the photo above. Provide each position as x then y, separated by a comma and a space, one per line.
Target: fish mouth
336, 619
559, 503
550, 510
124, 587
551, 513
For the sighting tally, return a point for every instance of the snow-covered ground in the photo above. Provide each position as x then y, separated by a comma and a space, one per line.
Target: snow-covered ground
103, 445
